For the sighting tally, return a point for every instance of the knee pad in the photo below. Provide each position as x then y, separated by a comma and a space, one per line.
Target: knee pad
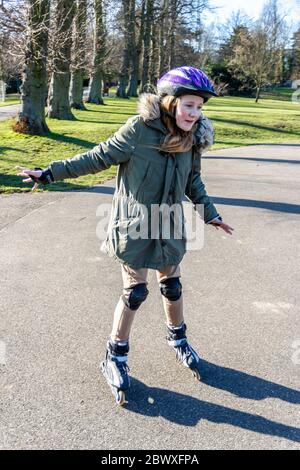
135, 295
171, 288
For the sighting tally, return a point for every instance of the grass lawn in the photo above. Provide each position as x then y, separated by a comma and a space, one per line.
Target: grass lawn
11, 99
278, 93
237, 122
9, 102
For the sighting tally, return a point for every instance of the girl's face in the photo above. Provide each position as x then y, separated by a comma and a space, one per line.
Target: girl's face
188, 111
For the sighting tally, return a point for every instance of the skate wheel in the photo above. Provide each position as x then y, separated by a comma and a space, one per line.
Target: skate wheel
120, 398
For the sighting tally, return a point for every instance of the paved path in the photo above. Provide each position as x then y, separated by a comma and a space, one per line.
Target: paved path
7, 112
58, 292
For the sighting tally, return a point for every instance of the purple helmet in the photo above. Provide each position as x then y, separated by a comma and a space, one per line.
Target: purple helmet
186, 80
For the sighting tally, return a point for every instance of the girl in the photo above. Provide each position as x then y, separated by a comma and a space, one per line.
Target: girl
158, 154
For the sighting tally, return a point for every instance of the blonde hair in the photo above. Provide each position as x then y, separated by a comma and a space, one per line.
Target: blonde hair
177, 140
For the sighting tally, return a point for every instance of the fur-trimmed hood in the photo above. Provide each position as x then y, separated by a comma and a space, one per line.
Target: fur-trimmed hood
148, 106
149, 110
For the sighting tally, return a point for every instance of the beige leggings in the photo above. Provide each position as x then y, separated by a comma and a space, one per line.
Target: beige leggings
124, 316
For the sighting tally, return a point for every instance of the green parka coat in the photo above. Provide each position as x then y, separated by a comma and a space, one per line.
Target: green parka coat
145, 176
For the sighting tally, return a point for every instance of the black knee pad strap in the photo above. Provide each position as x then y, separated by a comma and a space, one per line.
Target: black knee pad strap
135, 296
171, 288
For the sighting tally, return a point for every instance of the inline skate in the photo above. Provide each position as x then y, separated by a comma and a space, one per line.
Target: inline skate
115, 369
185, 354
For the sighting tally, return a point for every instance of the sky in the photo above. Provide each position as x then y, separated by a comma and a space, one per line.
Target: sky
253, 8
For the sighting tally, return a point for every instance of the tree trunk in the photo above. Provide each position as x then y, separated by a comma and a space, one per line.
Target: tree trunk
257, 93
96, 84
147, 46
31, 119
76, 90
133, 83
2, 71
162, 36
124, 74
78, 62
155, 59
172, 33
58, 100
1, 58
135, 75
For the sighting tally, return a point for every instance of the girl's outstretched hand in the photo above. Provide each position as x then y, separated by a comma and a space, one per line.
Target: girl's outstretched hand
218, 224
27, 173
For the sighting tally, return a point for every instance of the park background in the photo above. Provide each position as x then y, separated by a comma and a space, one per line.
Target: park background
78, 67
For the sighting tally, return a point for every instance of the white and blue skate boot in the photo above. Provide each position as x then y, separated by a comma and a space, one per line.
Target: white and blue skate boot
185, 354
115, 369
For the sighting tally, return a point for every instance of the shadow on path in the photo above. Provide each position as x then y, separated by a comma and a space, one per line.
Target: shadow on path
245, 385
188, 411
273, 206
253, 159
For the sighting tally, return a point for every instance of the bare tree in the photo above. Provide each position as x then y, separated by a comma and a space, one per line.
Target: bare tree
58, 98
2, 73
251, 58
173, 15
295, 56
258, 55
78, 62
13, 30
13, 17
137, 21
155, 47
32, 116
162, 35
96, 84
147, 45
124, 74
272, 20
